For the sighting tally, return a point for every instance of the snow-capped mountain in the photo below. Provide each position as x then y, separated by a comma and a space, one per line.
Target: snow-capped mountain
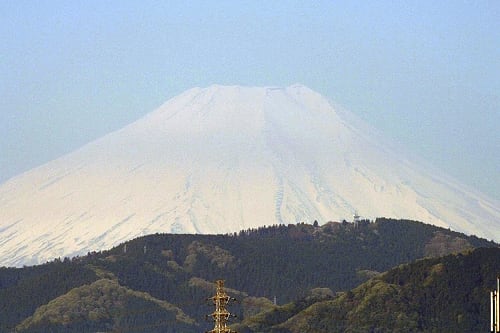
219, 160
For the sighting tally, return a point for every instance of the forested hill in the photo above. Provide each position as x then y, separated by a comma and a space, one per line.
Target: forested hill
446, 294
158, 283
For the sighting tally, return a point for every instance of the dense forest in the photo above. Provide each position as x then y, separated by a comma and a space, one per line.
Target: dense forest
159, 283
446, 294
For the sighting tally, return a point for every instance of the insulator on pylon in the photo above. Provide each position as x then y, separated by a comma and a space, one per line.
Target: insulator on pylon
220, 316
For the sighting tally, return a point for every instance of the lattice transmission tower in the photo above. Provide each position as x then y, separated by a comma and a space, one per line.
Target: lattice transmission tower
221, 316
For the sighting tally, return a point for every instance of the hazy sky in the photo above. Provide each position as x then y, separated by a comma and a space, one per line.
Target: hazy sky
427, 73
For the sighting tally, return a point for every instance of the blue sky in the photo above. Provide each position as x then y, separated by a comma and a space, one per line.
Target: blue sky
425, 73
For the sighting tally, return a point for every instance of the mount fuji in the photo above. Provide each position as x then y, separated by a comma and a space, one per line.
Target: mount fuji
222, 159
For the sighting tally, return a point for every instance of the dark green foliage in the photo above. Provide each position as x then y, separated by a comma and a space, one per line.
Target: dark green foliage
22, 293
448, 294
281, 261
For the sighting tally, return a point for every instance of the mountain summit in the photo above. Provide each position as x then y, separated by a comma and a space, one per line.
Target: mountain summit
222, 159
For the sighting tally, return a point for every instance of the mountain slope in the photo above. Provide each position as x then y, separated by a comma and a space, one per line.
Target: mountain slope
105, 303
222, 159
144, 284
448, 294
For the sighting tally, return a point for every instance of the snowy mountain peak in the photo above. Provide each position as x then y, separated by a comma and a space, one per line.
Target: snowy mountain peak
221, 159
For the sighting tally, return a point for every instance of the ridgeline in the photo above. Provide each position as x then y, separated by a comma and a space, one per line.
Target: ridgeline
338, 277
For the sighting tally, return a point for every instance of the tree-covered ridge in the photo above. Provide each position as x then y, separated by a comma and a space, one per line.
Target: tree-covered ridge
279, 261
448, 294
23, 290
105, 304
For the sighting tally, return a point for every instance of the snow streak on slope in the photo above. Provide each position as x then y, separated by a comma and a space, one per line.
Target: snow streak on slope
222, 159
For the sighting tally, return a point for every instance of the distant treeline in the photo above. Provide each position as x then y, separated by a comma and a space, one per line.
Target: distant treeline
282, 261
